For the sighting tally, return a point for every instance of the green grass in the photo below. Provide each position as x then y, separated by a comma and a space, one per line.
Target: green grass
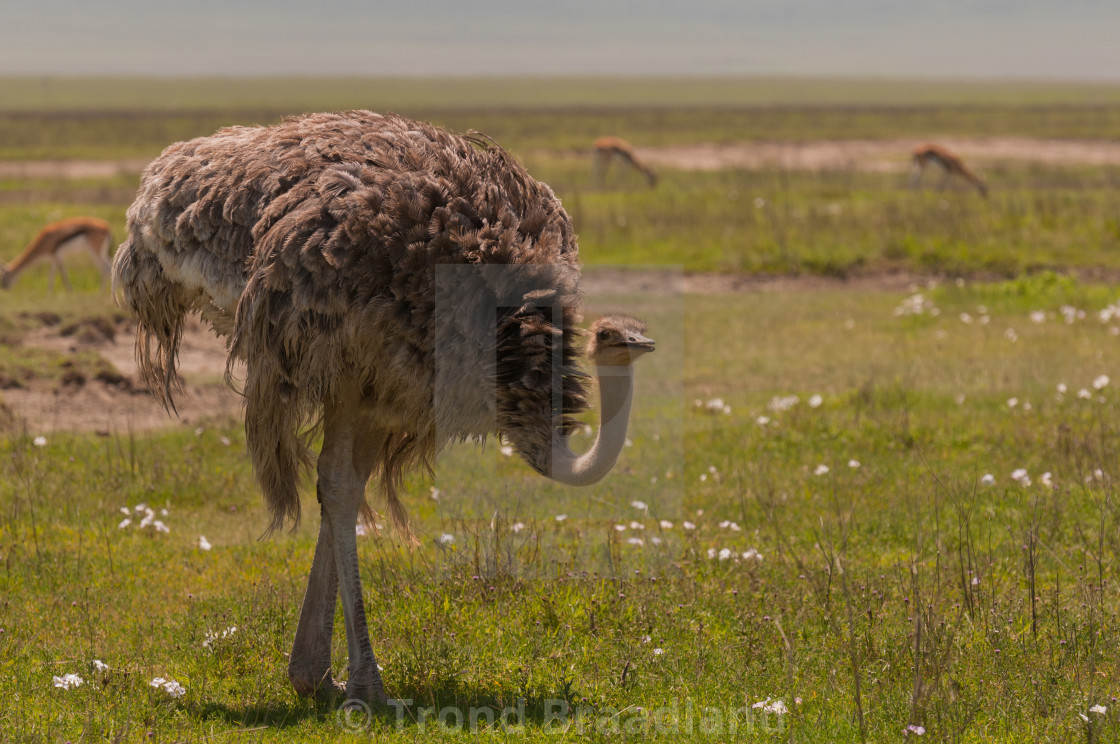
840, 223
903, 591
560, 611
110, 134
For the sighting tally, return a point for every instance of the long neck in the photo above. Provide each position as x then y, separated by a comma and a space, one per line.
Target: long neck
616, 391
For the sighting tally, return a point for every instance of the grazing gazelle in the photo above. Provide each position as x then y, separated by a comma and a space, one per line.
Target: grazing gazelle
608, 148
59, 238
950, 164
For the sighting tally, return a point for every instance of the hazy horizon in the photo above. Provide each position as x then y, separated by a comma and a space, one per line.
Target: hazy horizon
957, 39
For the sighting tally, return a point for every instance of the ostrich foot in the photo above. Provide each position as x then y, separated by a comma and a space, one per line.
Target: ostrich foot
365, 684
322, 687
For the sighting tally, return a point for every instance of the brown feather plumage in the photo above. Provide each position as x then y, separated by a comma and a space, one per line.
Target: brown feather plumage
313, 245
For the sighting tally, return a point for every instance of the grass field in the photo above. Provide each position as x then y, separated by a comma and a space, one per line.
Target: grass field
884, 509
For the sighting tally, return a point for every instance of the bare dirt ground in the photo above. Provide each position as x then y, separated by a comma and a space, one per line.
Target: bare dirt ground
885, 156
120, 407
888, 155
70, 169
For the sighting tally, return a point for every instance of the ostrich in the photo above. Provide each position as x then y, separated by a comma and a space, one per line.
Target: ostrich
950, 163
313, 245
609, 148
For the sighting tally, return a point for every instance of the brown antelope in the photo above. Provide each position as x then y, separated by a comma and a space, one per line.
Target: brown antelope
950, 164
58, 239
608, 148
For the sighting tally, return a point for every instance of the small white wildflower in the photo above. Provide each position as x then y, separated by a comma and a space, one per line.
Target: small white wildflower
620, 528
733, 527
174, 689
665, 524
712, 553
655, 540
67, 681
39, 441
1011, 335
777, 707
505, 450
198, 431
160, 526
204, 544
635, 541
703, 477
1038, 316
1012, 402
208, 642
446, 538
224, 440
561, 517
966, 318
1046, 479
988, 479
688, 525
634, 525
1100, 710
628, 442
646, 639
1020, 476
752, 553
100, 666
360, 529
641, 505
148, 519
783, 403
125, 510
1084, 394
762, 420
124, 523
975, 581
915, 729
815, 401
1100, 382
1061, 387
658, 651
517, 527
435, 493
853, 464
724, 554
821, 470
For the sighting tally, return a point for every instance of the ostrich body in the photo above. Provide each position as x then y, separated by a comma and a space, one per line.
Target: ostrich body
313, 246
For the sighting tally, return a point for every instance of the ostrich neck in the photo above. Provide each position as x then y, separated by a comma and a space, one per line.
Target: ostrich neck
616, 391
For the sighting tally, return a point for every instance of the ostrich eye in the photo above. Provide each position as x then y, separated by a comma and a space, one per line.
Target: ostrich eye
603, 335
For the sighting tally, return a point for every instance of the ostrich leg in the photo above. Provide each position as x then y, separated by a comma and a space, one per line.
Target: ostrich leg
351, 442
309, 667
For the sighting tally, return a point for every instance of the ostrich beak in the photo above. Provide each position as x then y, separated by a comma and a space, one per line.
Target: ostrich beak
637, 343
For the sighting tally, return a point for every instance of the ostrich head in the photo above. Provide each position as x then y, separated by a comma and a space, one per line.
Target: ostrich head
617, 340
540, 432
